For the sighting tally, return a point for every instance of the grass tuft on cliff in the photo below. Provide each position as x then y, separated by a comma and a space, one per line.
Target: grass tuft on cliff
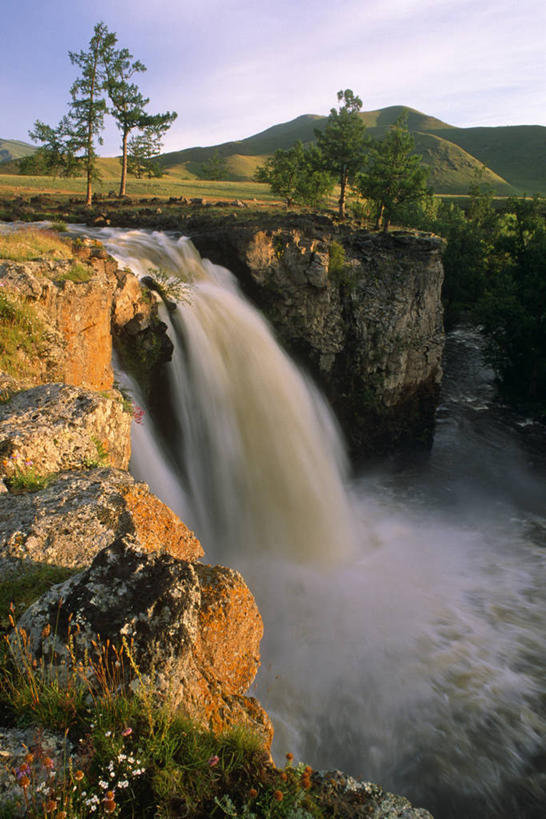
32, 243
123, 752
21, 336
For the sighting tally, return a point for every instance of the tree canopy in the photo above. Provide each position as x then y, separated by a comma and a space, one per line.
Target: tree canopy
106, 74
296, 175
393, 174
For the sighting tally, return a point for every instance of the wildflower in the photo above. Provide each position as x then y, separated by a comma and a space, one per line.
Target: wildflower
46, 631
103, 784
108, 733
78, 776
308, 770
253, 793
289, 757
24, 781
278, 796
109, 806
109, 795
51, 804
48, 763
62, 815
284, 776
213, 760
127, 732
29, 758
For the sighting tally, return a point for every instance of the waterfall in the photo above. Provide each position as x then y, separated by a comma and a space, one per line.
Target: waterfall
404, 617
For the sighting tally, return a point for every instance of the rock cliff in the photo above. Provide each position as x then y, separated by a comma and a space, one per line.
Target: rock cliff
69, 502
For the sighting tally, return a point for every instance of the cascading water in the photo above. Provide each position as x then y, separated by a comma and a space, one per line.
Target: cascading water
404, 615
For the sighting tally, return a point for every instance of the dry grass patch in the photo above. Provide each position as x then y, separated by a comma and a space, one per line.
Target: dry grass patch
25, 245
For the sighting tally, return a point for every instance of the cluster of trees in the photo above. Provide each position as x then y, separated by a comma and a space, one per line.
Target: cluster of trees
386, 173
105, 85
495, 277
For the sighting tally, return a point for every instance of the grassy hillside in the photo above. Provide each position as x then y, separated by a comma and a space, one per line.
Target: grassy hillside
515, 152
514, 156
14, 149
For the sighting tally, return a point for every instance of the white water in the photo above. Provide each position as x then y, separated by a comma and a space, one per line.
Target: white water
404, 615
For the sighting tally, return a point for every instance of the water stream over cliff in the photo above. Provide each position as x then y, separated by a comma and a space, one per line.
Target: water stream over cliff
404, 609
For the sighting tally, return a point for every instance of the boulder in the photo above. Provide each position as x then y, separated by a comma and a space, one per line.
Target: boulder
57, 427
81, 512
193, 631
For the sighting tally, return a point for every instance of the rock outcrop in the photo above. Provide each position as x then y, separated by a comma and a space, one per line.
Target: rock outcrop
82, 512
80, 316
68, 500
56, 427
194, 631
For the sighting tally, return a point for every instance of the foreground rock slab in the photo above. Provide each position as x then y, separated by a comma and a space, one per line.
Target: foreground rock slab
81, 512
57, 427
193, 631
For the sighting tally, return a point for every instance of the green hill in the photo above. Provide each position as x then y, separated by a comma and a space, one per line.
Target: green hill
514, 156
515, 152
14, 149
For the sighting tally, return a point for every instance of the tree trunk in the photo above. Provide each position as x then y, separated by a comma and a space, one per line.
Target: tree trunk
123, 182
342, 186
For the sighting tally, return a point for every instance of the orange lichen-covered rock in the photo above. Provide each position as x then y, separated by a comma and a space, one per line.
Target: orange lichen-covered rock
81, 512
230, 628
156, 526
186, 624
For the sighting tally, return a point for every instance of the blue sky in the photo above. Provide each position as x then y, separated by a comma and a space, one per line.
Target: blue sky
231, 68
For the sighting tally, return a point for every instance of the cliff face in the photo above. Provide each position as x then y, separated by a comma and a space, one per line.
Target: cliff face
361, 311
67, 500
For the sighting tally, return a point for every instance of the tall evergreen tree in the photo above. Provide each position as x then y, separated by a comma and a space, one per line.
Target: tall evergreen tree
88, 106
343, 142
128, 104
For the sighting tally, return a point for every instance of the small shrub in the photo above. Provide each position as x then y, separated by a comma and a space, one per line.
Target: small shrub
25, 477
77, 273
169, 286
102, 456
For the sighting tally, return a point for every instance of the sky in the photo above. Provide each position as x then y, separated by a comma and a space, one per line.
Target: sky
232, 68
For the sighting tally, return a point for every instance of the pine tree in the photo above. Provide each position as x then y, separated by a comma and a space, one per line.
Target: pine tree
343, 142
88, 106
128, 104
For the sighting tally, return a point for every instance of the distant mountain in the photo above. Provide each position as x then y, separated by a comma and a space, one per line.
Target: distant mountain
14, 149
514, 156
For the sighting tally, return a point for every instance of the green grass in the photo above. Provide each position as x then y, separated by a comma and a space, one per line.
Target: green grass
135, 756
172, 185
22, 336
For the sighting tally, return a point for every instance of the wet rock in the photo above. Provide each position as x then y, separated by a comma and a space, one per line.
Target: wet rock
352, 798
